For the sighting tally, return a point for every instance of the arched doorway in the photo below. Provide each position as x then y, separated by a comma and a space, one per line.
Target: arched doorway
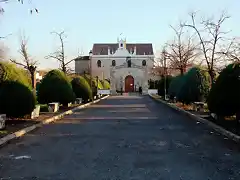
129, 84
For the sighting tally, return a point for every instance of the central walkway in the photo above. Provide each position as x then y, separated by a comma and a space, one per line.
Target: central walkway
122, 138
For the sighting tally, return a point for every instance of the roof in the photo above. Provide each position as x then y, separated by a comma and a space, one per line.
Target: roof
142, 49
82, 58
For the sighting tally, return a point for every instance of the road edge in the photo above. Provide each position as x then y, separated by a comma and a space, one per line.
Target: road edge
217, 128
24, 131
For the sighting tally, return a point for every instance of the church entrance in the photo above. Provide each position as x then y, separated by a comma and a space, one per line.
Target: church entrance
129, 84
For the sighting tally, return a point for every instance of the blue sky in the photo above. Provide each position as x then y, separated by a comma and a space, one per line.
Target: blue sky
87, 22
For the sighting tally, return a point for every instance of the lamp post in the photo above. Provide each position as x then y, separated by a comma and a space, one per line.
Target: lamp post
97, 85
90, 58
165, 75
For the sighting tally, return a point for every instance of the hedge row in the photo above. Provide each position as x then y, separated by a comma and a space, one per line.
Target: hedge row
223, 98
190, 87
17, 98
57, 87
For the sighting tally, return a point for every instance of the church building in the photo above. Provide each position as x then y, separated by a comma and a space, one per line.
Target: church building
126, 65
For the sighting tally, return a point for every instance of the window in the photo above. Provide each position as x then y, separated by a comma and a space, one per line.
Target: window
113, 63
99, 63
144, 63
129, 63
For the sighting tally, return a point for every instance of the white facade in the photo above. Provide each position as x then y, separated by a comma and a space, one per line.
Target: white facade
103, 66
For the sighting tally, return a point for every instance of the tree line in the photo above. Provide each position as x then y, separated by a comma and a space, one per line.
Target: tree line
200, 41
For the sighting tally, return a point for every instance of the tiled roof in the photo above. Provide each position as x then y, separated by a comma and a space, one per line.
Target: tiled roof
142, 49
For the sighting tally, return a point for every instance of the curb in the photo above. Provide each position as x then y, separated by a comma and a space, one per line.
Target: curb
23, 131
217, 128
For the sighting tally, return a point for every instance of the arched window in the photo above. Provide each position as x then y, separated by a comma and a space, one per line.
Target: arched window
113, 63
99, 63
129, 63
144, 63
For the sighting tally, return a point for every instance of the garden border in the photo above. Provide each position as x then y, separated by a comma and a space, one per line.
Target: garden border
23, 131
217, 128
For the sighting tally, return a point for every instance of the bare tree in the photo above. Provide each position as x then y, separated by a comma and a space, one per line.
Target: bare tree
181, 52
159, 64
59, 55
210, 44
27, 62
232, 52
20, 1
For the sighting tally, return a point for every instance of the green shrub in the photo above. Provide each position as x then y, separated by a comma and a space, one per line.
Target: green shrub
16, 99
10, 72
95, 85
105, 84
152, 84
195, 87
81, 88
224, 96
98, 83
37, 85
55, 87
161, 85
175, 86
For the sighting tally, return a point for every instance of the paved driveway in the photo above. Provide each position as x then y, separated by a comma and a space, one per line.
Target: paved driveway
122, 138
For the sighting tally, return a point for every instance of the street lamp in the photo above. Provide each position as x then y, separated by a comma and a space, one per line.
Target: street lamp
97, 85
165, 75
90, 58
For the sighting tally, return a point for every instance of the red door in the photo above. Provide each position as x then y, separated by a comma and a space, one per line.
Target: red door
129, 84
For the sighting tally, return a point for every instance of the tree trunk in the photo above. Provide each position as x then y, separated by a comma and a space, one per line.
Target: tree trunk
33, 80
182, 71
212, 77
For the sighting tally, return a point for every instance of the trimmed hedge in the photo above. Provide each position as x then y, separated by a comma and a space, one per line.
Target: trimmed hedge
81, 88
105, 84
16, 99
195, 86
55, 87
95, 85
175, 86
10, 72
224, 97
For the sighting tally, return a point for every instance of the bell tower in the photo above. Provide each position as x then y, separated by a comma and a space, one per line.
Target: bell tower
122, 43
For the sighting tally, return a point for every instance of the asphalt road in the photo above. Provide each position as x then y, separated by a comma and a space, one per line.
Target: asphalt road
122, 138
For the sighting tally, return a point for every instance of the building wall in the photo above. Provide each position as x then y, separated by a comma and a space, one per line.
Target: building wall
118, 73
106, 62
81, 66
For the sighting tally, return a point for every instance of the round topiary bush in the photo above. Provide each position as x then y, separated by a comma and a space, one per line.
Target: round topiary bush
81, 88
10, 72
55, 87
105, 84
16, 99
95, 85
224, 96
195, 87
